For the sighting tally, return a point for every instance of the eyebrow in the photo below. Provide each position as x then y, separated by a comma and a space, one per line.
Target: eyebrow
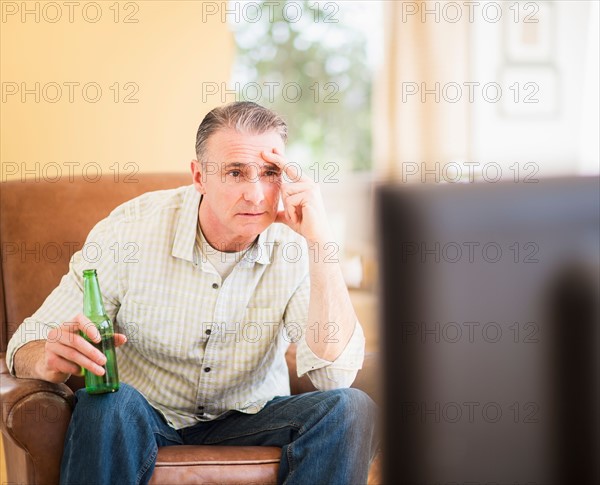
233, 165
238, 165
271, 166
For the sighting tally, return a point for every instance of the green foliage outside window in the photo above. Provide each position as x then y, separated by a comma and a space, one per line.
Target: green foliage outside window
310, 65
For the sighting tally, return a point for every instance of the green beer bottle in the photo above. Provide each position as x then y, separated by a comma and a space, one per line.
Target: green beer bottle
93, 308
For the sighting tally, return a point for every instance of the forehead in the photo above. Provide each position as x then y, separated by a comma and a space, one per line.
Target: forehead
230, 146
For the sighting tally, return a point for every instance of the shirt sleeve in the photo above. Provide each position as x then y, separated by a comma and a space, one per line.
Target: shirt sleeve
323, 374
66, 300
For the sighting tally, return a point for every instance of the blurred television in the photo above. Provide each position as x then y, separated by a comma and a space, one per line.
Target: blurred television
490, 331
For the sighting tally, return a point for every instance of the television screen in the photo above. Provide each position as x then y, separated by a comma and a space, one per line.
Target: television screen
490, 332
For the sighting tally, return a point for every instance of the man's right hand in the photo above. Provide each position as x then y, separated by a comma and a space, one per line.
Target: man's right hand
64, 352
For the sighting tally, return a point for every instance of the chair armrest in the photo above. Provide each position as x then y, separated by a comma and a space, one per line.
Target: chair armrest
35, 417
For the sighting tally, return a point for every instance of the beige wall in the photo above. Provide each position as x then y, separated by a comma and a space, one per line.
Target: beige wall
166, 55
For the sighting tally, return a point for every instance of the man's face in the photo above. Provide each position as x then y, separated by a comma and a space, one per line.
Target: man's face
240, 189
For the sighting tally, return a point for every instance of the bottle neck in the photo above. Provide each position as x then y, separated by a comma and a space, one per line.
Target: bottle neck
92, 297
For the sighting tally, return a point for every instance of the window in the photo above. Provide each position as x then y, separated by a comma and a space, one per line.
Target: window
313, 63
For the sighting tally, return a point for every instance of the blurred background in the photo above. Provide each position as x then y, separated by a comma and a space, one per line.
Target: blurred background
428, 92
415, 91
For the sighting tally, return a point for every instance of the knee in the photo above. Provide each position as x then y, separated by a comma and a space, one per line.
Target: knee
118, 406
354, 407
353, 400
125, 393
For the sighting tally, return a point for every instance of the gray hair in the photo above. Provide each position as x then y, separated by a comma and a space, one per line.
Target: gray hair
241, 116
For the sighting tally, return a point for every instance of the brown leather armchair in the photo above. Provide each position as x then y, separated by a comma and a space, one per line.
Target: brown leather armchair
42, 223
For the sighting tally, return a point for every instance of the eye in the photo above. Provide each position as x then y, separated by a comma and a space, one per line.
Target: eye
234, 173
272, 173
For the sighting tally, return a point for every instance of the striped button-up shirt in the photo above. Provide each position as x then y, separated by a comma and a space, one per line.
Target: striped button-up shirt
198, 345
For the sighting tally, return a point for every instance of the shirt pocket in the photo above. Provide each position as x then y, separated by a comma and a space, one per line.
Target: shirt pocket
258, 339
155, 330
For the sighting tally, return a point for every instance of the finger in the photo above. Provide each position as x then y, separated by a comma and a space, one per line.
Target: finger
59, 364
86, 326
282, 218
298, 200
291, 214
300, 187
120, 339
273, 157
80, 324
294, 211
78, 345
294, 205
77, 341
292, 170
65, 352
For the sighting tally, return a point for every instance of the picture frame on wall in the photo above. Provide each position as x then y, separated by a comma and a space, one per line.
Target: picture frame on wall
528, 74
529, 33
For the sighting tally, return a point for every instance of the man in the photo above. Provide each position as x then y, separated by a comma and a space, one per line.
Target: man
219, 283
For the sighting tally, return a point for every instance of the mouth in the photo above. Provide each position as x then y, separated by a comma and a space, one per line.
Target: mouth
251, 214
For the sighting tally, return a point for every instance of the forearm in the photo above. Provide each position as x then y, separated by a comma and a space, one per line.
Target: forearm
331, 317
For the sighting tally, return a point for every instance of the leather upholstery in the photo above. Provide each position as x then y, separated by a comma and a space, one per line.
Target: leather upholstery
44, 223
217, 464
35, 417
41, 225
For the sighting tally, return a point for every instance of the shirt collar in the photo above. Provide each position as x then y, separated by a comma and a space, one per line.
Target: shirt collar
262, 251
185, 233
187, 227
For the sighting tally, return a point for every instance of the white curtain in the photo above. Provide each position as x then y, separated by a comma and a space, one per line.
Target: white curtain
430, 57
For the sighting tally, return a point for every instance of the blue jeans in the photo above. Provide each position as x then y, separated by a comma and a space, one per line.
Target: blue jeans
327, 437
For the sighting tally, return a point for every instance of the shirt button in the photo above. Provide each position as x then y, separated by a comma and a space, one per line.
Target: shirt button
207, 369
215, 285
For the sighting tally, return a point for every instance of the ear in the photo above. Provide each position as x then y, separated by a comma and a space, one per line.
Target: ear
198, 176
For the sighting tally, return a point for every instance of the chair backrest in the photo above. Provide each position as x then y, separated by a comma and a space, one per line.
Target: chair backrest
43, 223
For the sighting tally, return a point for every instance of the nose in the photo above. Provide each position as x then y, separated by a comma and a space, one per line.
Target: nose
254, 192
